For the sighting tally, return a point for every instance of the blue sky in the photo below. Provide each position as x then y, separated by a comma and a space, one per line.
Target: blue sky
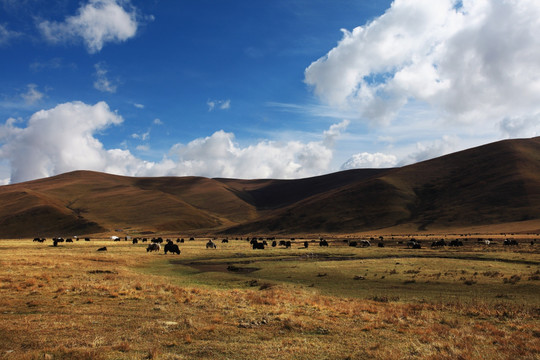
259, 89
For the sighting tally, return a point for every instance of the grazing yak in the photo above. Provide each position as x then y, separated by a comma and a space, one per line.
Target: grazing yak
438, 243
257, 245
414, 244
172, 248
287, 243
153, 247
510, 242
365, 243
102, 249
211, 245
456, 242
306, 244
323, 242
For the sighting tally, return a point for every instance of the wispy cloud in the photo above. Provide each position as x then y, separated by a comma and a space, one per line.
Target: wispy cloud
32, 95
157, 122
315, 110
52, 64
143, 147
139, 106
7, 35
144, 136
218, 104
102, 82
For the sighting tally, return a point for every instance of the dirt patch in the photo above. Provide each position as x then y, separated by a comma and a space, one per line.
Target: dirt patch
243, 270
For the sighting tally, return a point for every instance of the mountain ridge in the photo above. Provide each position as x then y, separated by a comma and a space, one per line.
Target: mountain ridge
487, 185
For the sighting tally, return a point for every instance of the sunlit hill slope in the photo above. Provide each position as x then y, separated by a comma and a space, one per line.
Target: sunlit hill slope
492, 184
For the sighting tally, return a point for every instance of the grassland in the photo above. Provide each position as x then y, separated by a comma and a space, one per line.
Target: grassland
71, 302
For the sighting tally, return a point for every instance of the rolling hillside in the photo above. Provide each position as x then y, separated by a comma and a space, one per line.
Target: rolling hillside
492, 184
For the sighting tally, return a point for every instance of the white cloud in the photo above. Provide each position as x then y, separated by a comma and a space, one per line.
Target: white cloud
219, 156
139, 106
524, 126
102, 82
145, 136
63, 139
368, 160
32, 95
97, 22
57, 140
435, 148
334, 132
157, 122
226, 104
218, 104
471, 61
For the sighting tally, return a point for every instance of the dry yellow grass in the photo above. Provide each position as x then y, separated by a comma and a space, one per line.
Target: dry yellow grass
71, 302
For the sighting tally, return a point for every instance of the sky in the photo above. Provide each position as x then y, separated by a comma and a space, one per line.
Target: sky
260, 89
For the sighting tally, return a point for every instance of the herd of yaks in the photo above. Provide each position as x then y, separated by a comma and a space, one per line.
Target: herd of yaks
261, 243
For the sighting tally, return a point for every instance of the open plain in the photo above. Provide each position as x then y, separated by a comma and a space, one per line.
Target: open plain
394, 299
70, 301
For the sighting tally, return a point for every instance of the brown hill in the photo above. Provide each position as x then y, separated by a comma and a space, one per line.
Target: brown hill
491, 184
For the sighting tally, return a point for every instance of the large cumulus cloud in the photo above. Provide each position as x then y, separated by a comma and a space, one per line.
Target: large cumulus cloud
219, 155
64, 138
56, 140
472, 61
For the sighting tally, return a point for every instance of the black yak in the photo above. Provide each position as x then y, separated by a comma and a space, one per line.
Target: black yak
172, 248
153, 247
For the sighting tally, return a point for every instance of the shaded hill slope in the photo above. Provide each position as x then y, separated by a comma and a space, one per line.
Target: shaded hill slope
491, 184
494, 183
